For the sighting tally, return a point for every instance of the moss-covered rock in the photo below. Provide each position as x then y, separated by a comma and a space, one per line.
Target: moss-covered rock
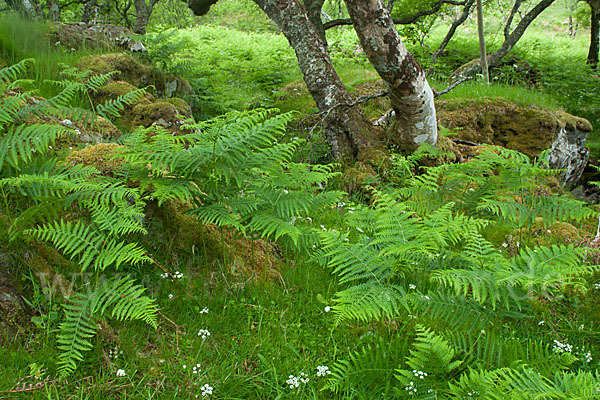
136, 73
100, 36
102, 156
529, 130
131, 70
114, 89
106, 129
356, 177
181, 232
181, 105
161, 113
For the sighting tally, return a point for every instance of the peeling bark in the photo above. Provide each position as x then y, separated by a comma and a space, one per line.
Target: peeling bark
410, 94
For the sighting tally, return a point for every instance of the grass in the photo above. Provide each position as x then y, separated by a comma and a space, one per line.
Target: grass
260, 333
264, 330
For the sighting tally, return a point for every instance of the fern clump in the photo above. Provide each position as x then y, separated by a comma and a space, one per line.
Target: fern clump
419, 255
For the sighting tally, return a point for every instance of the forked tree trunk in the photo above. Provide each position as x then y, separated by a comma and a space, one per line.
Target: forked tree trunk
348, 131
410, 94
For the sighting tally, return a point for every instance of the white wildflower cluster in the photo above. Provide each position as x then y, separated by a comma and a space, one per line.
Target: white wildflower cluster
419, 374
412, 286
341, 205
196, 369
206, 390
295, 381
203, 333
204, 310
323, 227
473, 394
410, 388
323, 370
596, 286
121, 372
588, 357
559, 347
170, 296
114, 354
176, 275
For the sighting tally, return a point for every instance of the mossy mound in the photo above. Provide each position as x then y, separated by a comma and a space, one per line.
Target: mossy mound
182, 232
131, 70
112, 90
106, 129
161, 113
102, 156
181, 105
561, 232
356, 177
529, 130
136, 73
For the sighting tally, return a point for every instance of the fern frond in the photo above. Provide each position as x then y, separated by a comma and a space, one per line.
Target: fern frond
368, 302
124, 299
112, 108
89, 245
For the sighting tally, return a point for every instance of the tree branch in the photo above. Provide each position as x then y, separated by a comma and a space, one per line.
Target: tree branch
458, 22
402, 21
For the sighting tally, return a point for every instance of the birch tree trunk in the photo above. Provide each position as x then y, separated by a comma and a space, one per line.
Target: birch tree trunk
350, 134
410, 94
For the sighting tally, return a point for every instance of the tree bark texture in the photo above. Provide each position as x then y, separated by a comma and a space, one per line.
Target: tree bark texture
410, 94
143, 12
348, 131
592, 58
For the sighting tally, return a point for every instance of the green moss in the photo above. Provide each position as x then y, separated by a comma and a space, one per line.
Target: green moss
147, 114
101, 156
529, 130
357, 177
181, 105
131, 70
114, 89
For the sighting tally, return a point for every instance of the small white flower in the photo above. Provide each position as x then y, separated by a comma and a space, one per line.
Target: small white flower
542, 322
323, 227
204, 311
412, 286
171, 296
309, 219
360, 230
121, 372
285, 191
504, 244
206, 389
323, 370
204, 333
327, 308
184, 366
